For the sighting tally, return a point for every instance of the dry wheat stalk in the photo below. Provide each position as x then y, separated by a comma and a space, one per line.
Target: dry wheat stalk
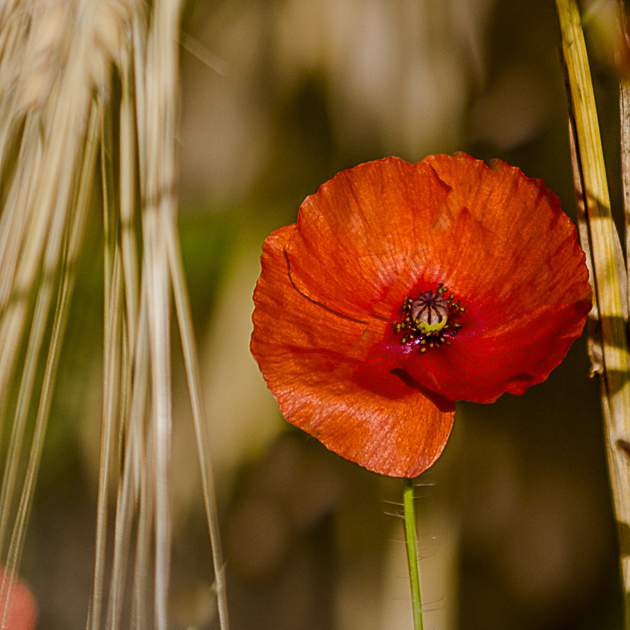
56, 63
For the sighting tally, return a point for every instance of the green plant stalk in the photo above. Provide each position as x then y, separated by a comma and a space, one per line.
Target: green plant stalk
610, 276
412, 552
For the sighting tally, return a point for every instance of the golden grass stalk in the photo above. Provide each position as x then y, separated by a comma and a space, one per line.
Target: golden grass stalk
45, 203
56, 63
610, 349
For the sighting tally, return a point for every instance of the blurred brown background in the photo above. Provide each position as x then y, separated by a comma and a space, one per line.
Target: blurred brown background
515, 519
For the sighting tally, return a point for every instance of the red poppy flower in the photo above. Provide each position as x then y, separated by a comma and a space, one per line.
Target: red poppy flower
21, 611
405, 287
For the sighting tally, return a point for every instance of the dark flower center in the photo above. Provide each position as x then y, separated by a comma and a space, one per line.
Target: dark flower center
429, 311
429, 320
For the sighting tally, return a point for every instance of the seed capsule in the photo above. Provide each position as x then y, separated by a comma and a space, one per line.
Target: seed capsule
430, 311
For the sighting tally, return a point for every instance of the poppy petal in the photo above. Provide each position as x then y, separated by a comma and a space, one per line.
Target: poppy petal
520, 272
387, 230
359, 232
311, 358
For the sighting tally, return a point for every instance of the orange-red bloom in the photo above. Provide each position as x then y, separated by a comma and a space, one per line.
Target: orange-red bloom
405, 287
21, 611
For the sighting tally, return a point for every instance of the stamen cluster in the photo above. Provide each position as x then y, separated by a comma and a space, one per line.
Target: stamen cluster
417, 326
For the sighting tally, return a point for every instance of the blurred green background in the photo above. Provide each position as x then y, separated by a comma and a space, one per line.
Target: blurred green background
515, 519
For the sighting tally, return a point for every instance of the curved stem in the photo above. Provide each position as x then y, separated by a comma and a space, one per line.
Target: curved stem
412, 552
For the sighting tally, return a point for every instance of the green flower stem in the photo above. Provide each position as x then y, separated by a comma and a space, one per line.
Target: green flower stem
412, 552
